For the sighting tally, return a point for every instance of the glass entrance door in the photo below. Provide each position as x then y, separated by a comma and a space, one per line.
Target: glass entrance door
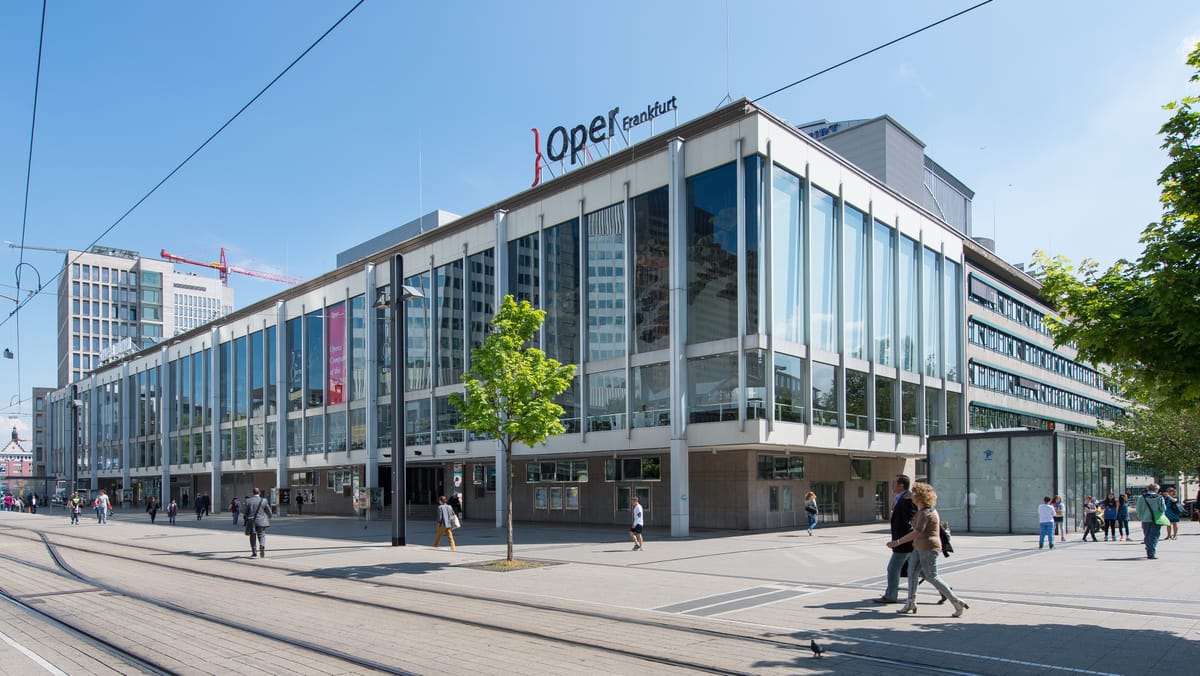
829, 501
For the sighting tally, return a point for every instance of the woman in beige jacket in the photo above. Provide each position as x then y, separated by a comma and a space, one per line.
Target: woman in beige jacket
927, 544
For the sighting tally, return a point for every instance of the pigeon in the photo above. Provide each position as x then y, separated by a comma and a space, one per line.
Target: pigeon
818, 651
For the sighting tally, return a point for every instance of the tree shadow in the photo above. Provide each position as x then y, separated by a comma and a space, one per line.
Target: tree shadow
372, 571
912, 643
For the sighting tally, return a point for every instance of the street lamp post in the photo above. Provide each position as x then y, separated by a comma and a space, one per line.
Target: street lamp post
398, 295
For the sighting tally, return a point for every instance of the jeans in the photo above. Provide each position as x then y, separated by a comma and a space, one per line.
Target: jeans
812, 521
1150, 533
1046, 533
926, 563
893, 574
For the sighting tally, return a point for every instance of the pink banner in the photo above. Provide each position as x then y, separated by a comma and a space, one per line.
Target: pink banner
337, 353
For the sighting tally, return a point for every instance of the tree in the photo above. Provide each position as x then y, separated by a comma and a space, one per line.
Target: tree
1141, 317
1165, 439
511, 387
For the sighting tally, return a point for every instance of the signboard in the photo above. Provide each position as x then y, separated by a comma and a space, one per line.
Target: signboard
337, 353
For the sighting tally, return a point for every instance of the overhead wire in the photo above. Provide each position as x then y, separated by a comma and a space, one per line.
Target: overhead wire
166, 178
889, 43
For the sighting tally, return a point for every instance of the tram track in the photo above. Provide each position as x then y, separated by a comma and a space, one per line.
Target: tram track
644, 632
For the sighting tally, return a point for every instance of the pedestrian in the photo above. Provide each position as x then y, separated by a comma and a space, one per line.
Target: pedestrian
75, 506
172, 510
299, 502
1089, 518
1060, 513
33, 503
456, 504
199, 504
810, 510
102, 506
1110, 516
1174, 513
927, 544
1045, 523
257, 511
903, 511
8, 502
445, 523
207, 503
152, 508
234, 508
1123, 516
1150, 508
635, 531
184, 500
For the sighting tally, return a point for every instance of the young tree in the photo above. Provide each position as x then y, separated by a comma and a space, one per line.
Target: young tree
511, 387
1141, 318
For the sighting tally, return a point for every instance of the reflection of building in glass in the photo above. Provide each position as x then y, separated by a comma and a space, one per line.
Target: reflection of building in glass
751, 316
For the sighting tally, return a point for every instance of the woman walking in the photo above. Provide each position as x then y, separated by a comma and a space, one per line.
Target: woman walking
810, 510
927, 545
1174, 513
1089, 518
152, 508
1060, 513
1123, 516
445, 523
1110, 516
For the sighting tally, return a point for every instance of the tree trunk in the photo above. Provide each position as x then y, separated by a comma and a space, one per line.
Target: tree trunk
508, 472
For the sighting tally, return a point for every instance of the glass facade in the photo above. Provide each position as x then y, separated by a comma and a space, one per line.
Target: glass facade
855, 245
823, 264
561, 328
711, 265
651, 306
606, 282
787, 257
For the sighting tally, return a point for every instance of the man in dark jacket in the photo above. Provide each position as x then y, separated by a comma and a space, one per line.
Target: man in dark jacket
903, 511
257, 511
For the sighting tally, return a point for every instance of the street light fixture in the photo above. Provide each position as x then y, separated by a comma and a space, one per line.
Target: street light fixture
398, 293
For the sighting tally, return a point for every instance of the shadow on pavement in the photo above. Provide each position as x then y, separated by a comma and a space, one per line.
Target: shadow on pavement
368, 572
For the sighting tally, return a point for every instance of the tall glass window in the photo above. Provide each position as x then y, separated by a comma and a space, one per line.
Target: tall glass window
185, 397
335, 354
383, 346
482, 295
651, 395
856, 399
711, 266
568, 399
272, 372
294, 365
884, 309
524, 266
606, 282
358, 429
953, 307
933, 411
416, 422
909, 292
256, 374
314, 360
335, 424
823, 263
226, 375
417, 356
854, 266
606, 401
787, 256
754, 225
824, 394
908, 407
953, 413
561, 328
358, 348
931, 285
241, 403
789, 388
711, 384
651, 281
447, 422
885, 405
451, 337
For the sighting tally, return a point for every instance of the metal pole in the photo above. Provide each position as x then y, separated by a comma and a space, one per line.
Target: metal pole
398, 348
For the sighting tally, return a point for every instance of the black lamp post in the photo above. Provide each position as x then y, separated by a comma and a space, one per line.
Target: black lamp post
398, 295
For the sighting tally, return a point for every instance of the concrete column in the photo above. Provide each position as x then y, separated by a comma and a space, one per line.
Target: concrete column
677, 227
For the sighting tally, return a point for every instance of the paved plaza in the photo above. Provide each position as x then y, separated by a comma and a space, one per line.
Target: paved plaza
1080, 608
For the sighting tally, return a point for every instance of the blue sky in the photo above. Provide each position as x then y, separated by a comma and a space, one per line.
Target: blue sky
1049, 111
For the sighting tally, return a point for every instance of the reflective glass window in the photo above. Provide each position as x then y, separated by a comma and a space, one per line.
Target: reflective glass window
606, 401
854, 266
885, 404
824, 394
952, 302
314, 359
524, 266
606, 282
651, 299
417, 352
789, 388
857, 383
481, 295
295, 367
451, 324
711, 384
823, 264
272, 351
931, 335
561, 328
883, 312
711, 244
358, 348
651, 395
908, 407
787, 256
909, 293
241, 403
255, 365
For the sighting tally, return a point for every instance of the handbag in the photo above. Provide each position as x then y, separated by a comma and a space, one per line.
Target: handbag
1160, 518
810, 509
454, 522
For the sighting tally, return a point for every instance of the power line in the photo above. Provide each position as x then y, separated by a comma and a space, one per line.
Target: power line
873, 50
193, 153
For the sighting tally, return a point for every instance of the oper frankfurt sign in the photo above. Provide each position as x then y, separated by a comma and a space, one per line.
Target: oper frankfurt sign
563, 145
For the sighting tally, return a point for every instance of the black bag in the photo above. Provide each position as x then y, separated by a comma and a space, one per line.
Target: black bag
249, 527
944, 536
810, 509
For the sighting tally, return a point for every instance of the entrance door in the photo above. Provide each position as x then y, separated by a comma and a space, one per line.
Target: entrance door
425, 484
829, 501
883, 496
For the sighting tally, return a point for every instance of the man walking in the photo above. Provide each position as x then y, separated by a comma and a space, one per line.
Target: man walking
257, 511
903, 511
635, 531
1150, 505
1045, 523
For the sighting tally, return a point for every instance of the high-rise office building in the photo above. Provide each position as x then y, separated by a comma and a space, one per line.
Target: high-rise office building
113, 302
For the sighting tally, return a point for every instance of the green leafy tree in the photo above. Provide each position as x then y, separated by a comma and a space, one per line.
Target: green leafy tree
1142, 317
511, 387
1162, 437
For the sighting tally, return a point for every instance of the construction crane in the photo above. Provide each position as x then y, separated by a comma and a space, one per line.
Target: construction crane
224, 269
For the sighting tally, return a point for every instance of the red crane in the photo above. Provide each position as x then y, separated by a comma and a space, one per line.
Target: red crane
224, 269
